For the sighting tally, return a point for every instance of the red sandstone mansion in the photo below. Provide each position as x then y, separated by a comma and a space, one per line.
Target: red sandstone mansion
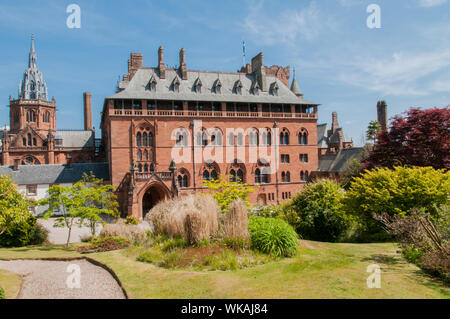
158, 109
164, 130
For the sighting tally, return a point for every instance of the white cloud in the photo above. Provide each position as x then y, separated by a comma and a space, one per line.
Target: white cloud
398, 74
288, 26
431, 3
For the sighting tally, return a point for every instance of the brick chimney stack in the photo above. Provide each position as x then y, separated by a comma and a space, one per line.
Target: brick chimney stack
183, 69
134, 63
382, 114
334, 122
87, 98
161, 67
260, 71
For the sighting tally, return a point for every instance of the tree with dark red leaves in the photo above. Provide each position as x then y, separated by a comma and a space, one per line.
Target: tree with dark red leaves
420, 138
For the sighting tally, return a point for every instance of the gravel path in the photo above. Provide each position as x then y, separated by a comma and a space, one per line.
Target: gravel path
47, 280
58, 235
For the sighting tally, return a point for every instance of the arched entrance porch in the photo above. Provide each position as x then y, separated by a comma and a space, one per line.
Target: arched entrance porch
152, 196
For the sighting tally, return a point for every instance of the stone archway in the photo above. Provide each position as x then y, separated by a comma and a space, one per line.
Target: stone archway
152, 196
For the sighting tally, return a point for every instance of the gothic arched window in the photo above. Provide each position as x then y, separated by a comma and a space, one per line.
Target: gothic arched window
139, 139
144, 139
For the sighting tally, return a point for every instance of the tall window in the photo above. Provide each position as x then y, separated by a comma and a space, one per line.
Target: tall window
29, 139
182, 180
139, 139
304, 158
284, 137
144, 139
46, 117
304, 176
31, 116
253, 137
209, 176
303, 137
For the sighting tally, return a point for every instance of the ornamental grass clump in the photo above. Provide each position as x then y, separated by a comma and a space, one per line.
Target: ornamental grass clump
273, 236
169, 217
235, 224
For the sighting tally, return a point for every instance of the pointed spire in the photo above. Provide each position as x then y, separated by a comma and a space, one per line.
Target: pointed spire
295, 88
32, 59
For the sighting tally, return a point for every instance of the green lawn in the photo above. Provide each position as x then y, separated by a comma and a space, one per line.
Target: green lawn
320, 270
10, 282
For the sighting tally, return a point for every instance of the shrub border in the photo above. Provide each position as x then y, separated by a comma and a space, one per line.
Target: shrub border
88, 259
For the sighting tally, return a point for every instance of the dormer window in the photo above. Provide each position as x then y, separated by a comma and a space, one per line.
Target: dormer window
218, 86
274, 88
255, 88
176, 84
151, 86
238, 87
198, 85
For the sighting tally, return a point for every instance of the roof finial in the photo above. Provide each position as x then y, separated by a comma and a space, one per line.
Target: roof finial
32, 59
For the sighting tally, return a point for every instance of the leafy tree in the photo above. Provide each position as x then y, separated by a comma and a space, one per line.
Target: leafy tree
16, 222
226, 192
396, 192
372, 131
84, 201
319, 210
421, 138
99, 198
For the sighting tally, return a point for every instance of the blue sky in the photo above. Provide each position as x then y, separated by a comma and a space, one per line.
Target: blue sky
340, 62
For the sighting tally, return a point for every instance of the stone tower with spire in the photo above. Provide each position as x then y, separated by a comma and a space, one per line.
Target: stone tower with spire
32, 138
33, 108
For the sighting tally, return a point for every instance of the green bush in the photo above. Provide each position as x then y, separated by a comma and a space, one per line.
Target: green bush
2, 293
16, 222
318, 211
172, 243
396, 192
273, 236
131, 220
225, 192
38, 235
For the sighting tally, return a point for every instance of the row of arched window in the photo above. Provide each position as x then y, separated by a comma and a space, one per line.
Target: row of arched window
144, 155
146, 168
29, 140
255, 138
144, 139
31, 116
261, 176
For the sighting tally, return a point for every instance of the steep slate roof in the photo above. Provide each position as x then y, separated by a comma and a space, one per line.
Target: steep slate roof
76, 139
322, 139
338, 162
136, 88
55, 173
